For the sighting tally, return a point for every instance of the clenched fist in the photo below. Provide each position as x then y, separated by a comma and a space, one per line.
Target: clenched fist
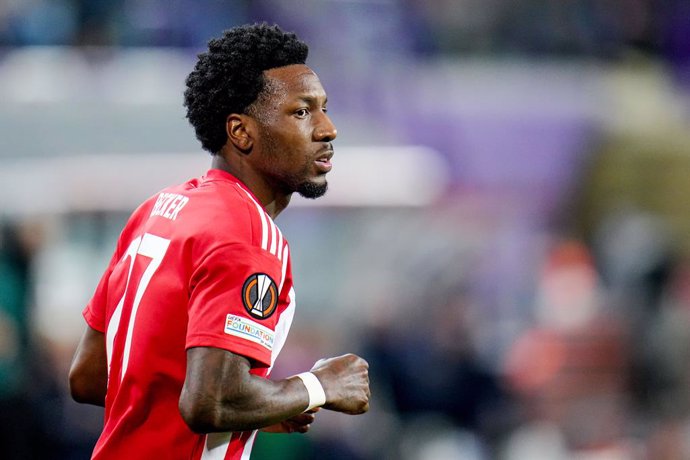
345, 380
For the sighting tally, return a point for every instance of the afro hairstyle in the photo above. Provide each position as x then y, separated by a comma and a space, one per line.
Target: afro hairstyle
228, 77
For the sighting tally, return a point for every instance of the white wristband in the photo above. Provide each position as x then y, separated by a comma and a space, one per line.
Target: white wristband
317, 397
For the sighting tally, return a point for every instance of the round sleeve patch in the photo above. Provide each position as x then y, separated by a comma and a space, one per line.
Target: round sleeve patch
260, 295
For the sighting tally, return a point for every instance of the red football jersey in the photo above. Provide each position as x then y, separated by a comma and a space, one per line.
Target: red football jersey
198, 265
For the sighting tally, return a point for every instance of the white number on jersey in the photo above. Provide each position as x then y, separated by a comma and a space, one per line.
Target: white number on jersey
153, 247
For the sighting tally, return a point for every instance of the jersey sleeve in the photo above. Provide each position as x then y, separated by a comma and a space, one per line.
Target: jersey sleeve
234, 301
95, 311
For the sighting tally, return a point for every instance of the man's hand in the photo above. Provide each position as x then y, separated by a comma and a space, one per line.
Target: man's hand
345, 380
298, 424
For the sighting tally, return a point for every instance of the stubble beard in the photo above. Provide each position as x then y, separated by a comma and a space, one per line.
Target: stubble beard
312, 190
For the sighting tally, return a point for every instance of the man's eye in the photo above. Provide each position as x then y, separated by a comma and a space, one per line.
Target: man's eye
302, 113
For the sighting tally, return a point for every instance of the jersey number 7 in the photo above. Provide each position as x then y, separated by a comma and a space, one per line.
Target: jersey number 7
150, 246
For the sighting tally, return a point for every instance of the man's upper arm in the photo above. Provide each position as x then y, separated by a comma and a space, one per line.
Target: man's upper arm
222, 290
88, 375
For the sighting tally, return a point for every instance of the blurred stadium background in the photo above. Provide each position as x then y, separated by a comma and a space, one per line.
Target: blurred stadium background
506, 239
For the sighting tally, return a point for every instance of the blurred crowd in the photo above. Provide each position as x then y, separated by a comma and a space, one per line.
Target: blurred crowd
602, 28
539, 308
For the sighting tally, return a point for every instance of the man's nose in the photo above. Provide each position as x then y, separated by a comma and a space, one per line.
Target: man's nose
326, 130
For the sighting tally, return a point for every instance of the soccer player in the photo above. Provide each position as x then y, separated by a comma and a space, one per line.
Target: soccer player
195, 305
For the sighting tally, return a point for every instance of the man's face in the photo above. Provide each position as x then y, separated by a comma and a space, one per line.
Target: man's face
295, 134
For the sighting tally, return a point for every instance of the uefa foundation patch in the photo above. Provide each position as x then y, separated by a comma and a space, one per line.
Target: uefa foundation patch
260, 296
250, 330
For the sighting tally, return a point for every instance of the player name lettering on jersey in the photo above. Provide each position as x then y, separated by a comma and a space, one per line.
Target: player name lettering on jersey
169, 205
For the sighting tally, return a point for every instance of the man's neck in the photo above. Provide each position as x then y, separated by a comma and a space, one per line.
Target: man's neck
272, 201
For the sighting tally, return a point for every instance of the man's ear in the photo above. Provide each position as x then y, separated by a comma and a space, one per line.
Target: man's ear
240, 132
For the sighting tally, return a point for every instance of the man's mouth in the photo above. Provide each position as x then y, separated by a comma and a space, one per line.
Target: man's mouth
323, 161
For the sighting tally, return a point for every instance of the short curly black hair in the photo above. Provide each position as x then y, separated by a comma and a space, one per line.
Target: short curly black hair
228, 77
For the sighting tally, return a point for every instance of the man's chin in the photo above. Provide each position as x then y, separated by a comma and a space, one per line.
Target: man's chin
312, 190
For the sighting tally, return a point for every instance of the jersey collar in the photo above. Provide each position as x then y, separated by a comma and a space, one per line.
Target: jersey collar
219, 174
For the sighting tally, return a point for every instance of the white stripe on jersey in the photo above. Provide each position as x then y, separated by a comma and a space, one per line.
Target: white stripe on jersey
263, 216
216, 446
264, 228
284, 268
276, 236
248, 446
273, 236
280, 246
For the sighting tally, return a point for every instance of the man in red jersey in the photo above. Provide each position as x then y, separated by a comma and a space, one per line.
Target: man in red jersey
196, 303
